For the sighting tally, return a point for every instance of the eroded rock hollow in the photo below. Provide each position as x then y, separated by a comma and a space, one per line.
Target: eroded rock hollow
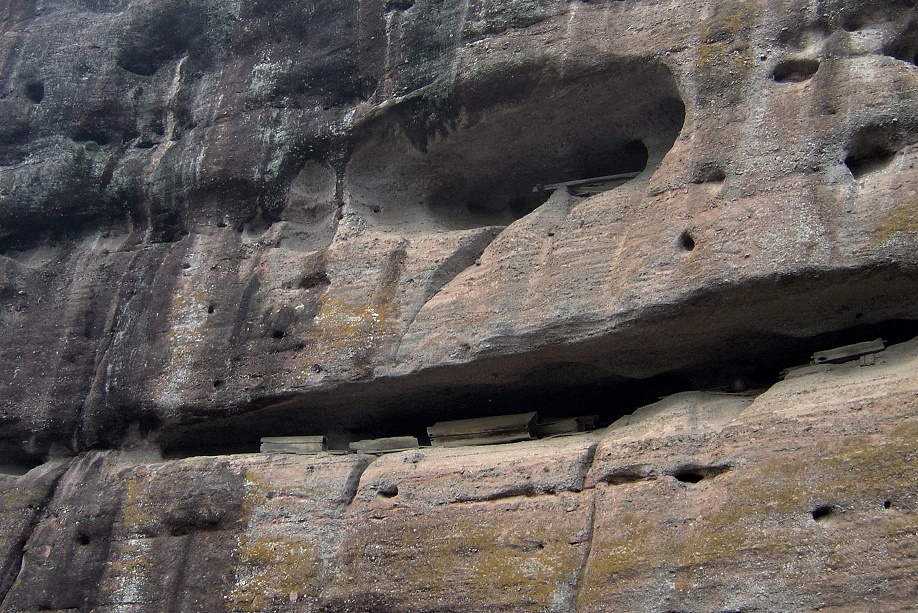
222, 221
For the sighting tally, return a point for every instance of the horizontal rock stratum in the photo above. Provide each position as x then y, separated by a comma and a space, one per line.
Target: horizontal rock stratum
226, 220
800, 498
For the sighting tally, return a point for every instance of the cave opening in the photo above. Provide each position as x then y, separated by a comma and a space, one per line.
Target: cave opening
566, 390
481, 163
871, 149
15, 463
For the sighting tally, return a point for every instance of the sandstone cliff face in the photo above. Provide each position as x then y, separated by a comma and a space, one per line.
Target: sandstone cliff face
800, 498
226, 220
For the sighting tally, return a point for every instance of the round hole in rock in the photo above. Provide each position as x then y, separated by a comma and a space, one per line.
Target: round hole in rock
277, 334
688, 476
35, 91
823, 512
795, 70
866, 162
218, 383
475, 159
871, 149
708, 172
389, 491
82, 538
887, 504
210, 309
686, 242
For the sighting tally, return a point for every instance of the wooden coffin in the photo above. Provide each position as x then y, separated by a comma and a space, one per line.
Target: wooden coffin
385, 445
586, 187
293, 444
565, 425
848, 352
483, 430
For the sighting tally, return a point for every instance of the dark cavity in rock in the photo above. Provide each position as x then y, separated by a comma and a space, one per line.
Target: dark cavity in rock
475, 161
870, 150
795, 70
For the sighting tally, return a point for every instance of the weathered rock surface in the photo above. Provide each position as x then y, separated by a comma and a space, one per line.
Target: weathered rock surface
227, 220
800, 498
320, 215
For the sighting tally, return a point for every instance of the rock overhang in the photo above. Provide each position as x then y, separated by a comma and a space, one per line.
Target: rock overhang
255, 227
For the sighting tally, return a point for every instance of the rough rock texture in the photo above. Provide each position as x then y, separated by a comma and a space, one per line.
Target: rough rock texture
227, 219
800, 498
208, 208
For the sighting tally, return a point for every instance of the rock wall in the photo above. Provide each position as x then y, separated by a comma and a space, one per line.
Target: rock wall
222, 220
796, 499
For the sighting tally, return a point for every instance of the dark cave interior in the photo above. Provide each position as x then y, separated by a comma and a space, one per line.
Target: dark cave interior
559, 390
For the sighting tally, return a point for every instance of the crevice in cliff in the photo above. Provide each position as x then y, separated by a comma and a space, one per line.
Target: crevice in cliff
406, 407
466, 255
352, 483
12, 566
587, 539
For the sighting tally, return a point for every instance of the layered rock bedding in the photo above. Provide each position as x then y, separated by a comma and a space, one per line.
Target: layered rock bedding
222, 220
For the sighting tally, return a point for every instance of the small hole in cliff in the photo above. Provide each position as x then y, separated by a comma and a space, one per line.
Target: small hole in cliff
390, 491
314, 280
35, 92
218, 383
399, 5
277, 334
82, 538
91, 135
852, 22
904, 46
823, 512
708, 172
686, 242
210, 309
694, 473
887, 504
796, 70
869, 151
689, 476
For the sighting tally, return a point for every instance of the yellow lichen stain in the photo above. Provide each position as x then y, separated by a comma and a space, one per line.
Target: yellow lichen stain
135, 511
527, 564
357, 330
628, 550
901, 221
725, 45
765, 514
269, 569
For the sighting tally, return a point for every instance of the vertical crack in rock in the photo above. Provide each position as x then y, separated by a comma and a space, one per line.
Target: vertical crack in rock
353, 481
577, 587
13, 565
103, 352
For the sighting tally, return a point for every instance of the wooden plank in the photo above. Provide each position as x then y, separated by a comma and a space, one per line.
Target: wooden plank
293, 444
553, 186
483, 430
565, 425
848, 352
385, 445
